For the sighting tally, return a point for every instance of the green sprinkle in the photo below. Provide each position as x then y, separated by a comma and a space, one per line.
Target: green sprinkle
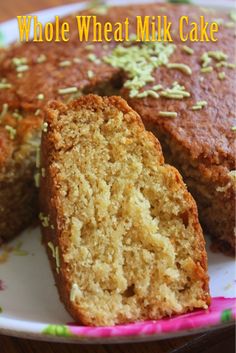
37, 179
221, 75
68, 90
5, 85
20, 65
51, 246
57, 258
233, 128
157, 87
102, 10
92, 57
187, 49
65, 63
182, 67
205, 60
4, 110
206, 69
181, 93
37, 161
11, 131
146, 93
196, 107
19, 61
22, 68
171, 95
41, 59
44, 220
202, 103
133, 37
232, 174
139, 62
168, 114
90, 74
199, 105
38, 111
17, 116
175, 92
89, 47
231, 66
221, 64
45, 127
55, 253
217, 55
98, 7
40, 96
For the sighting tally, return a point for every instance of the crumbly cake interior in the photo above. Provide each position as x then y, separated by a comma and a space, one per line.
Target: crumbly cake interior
205, 189
132, 249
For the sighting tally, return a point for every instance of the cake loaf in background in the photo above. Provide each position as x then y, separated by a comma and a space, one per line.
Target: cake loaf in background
184, 93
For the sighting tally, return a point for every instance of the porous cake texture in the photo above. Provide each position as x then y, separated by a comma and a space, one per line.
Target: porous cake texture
120, 227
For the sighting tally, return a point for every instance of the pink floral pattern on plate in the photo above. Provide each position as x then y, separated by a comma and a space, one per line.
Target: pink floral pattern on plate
221, 310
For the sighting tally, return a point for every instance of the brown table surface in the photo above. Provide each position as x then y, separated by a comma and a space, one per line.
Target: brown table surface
217, 341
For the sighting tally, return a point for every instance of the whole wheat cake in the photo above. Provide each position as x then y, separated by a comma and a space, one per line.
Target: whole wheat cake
187, 100
121, 229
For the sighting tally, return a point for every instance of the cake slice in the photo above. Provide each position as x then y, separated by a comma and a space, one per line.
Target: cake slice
121, 230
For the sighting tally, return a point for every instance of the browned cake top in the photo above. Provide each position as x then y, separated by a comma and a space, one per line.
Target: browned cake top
207, 130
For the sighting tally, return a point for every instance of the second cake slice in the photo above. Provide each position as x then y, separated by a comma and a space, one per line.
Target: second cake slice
121, 230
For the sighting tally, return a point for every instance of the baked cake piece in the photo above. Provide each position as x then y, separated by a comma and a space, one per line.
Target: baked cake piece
121, 230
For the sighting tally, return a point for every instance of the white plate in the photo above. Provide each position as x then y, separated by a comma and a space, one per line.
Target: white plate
29, 301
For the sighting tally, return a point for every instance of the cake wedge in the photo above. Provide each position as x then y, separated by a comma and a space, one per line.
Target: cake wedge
121, 230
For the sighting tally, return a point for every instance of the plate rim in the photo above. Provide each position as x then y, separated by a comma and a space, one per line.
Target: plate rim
39, 335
